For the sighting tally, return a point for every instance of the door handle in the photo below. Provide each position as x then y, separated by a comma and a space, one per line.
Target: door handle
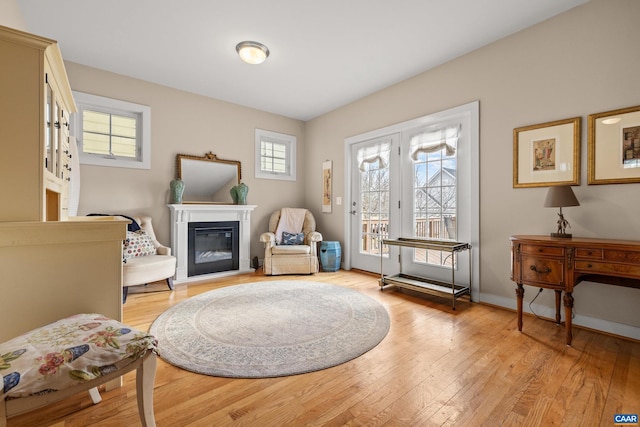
353, 212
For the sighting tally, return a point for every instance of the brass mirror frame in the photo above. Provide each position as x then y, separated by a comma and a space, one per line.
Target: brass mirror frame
208, 157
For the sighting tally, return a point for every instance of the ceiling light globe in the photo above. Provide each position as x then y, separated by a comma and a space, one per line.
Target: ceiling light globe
252, 52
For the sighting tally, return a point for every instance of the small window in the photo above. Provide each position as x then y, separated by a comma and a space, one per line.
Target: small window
275, 155
111, 132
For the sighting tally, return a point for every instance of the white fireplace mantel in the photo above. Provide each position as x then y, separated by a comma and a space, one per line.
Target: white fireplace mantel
182, 215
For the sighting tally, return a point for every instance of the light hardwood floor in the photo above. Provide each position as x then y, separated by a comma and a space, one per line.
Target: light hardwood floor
436, 367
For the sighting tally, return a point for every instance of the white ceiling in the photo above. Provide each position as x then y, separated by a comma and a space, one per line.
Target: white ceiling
324, 54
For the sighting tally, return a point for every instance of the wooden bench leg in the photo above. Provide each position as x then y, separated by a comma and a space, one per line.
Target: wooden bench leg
3, 413
145, 378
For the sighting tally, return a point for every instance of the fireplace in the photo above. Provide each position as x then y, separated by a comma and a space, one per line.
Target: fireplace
184, 216
213, 247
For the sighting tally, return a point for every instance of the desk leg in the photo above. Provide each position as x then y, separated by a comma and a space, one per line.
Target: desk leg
558, 295
568, 309
520, 295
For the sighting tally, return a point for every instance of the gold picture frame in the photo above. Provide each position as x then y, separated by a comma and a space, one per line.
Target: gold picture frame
614, 147
547, 154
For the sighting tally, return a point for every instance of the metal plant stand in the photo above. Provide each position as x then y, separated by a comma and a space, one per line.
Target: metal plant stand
423, 284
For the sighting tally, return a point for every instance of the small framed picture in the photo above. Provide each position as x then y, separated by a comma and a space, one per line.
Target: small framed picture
547, 154
327, 179
614, 147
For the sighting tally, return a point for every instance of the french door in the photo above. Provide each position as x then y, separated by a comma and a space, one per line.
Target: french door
375, 191
416, 179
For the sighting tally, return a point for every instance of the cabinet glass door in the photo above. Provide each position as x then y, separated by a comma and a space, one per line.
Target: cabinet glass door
56, 138
48, 131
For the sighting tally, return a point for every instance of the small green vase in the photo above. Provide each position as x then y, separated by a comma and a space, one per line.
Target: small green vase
239, 194
176, 188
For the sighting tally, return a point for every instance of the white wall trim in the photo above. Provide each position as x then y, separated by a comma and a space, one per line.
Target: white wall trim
290, 141
114, 106
601, 325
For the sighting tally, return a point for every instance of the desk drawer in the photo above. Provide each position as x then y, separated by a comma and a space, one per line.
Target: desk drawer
628, 257
542, 271
542, 250
623, 270
589, 253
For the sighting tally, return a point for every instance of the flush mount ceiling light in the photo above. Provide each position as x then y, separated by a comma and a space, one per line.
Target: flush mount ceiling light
252, 52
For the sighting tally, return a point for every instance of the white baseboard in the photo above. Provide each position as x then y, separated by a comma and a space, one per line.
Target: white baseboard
607, 326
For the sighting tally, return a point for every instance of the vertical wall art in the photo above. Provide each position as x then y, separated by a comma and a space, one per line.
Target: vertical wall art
327, 178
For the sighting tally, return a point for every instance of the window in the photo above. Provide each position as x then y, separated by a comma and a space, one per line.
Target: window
275, 155
111, 132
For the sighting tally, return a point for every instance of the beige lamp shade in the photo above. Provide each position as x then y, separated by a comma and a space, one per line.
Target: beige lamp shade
560, 197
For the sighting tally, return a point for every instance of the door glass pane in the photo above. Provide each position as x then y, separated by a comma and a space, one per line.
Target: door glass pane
434, 191
374, 197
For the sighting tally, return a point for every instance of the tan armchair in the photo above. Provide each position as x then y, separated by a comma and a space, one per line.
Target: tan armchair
150, 268
291, 259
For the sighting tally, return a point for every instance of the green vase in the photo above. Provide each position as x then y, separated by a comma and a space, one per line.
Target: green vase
176, 188
239, 194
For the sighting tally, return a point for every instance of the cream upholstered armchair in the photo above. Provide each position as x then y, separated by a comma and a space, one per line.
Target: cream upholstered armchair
155, 262
296, 258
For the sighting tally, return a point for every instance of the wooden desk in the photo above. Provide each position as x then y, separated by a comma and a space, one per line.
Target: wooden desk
560, 264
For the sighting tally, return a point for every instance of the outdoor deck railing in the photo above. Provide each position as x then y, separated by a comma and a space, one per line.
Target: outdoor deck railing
374, 231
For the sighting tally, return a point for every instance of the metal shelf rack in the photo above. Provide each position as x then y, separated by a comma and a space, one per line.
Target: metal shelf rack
423, 284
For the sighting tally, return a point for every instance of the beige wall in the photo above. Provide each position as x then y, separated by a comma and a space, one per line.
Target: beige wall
184, 123
10, 15
581, 62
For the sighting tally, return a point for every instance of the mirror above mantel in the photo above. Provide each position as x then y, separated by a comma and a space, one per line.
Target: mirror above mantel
207, 179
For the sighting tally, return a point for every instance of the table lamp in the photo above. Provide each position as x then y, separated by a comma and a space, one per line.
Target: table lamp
559, 197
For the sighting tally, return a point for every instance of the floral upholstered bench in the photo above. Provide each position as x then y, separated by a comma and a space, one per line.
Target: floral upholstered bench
72, 355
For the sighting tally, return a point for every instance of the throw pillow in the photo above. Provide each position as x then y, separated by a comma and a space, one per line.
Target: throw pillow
292, 238
138, 243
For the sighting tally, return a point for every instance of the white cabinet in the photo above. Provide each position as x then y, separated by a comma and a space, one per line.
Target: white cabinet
34, 128
51, 268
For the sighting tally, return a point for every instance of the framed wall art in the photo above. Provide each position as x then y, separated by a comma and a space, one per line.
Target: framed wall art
547, 154
327, 179
614, 147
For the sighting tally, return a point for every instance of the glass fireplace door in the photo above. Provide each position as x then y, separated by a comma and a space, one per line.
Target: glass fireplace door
213, 247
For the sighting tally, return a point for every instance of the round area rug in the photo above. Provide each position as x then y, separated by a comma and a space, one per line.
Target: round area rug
269, 329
